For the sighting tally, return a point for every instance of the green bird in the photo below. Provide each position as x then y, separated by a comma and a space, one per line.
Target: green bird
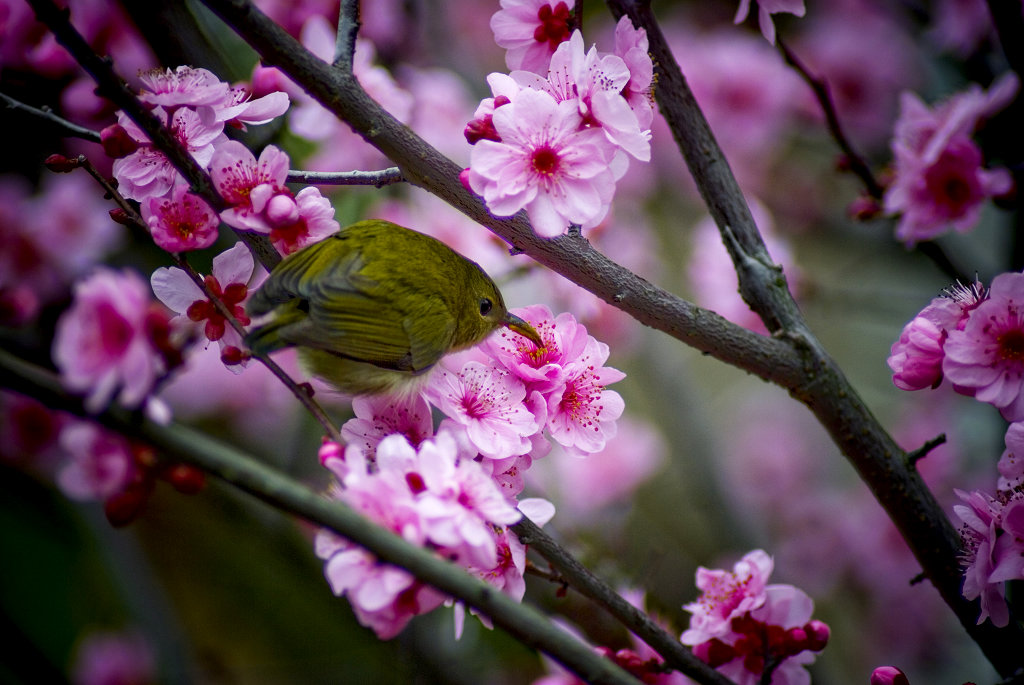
373, 308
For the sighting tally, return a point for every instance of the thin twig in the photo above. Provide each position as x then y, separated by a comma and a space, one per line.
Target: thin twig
47, 115
823, 93
247, 473
916, 455
379, 179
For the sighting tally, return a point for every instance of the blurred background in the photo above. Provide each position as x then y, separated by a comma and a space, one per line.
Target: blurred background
709, 462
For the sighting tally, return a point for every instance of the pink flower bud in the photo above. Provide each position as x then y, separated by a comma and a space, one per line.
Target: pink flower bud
888, 675
818, 634
61, 164
282, 210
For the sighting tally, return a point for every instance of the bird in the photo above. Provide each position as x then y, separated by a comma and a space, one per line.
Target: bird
374, 307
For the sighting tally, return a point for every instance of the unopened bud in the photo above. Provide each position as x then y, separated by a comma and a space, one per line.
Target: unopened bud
126, 506
888, 675
116, 142
818, 634
186, 479
119, 216
61, 164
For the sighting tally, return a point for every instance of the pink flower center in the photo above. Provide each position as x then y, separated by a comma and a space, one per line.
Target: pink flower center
1011, 345
554, 25
545, 161
115, 331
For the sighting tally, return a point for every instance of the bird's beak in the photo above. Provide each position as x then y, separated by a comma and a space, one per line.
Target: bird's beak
517, 325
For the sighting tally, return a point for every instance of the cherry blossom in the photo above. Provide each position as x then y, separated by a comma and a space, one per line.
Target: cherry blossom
986, 358
489, 403
582, 413
99, 465
147, 172
377, 417
765, 10
631, 45
993, 536
940, 182
595, 83
726, 595
180, 221
259, 200
545, 164
1011, 463
531, 30
183, 86
106, 340
232, 271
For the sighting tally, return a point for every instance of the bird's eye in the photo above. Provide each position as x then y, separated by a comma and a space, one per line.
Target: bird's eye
485, 306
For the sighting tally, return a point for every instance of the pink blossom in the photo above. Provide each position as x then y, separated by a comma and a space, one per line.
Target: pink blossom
631, 45
531, 30
541, 369
240, 108
247, 185
184, 86
232, 270
594, 83
103, 340
960, 25
109, 658
993, 536
489, 403
99, 465
377, 417
986, 358
259, 200
916, 357
147, 172
582, 413
726, 595
766, 8
544, 163
940, 182
181, 221
1011, 463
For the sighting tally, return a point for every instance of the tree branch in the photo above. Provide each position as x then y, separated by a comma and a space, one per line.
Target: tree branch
378, 179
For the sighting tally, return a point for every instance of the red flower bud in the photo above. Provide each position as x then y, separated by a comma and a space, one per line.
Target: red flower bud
185, 478
116, 142
888, 675
61, 164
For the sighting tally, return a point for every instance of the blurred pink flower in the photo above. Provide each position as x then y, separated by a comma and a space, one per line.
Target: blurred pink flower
100, 463
531, 30
939, 182
1011, 463
180, 221
960, 25
545, 164
103, 341
765, 10
232, 271
986, 357
113, 658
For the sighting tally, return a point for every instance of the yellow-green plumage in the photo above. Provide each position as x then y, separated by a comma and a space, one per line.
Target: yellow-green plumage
374, 306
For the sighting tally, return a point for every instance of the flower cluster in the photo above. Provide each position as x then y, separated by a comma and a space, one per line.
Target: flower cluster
431, 495
742, 626
456, 489
939, 182
975, 338
555, 140
196, 106
993, 533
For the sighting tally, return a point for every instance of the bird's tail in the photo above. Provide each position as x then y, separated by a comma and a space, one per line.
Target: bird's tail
270, 337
